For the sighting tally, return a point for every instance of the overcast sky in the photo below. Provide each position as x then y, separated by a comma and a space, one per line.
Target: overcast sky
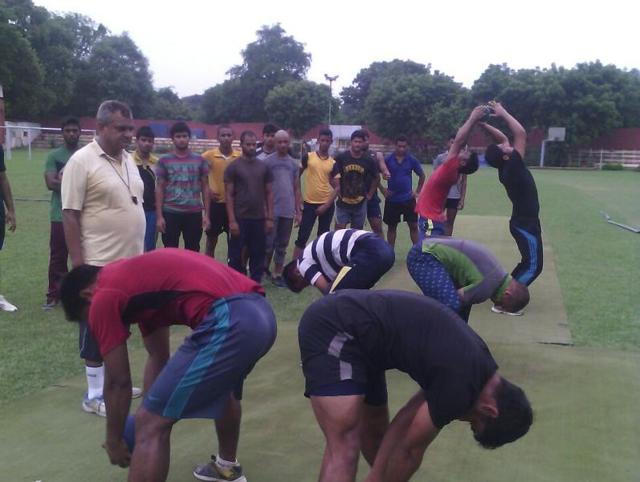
191, 44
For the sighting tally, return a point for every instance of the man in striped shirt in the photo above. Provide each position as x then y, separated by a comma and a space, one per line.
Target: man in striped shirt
342, 259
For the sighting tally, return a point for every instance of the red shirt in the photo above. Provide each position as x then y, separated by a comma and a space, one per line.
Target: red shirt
433, 196
160, 288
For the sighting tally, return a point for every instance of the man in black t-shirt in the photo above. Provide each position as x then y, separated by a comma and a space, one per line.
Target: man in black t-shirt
521, 189
347, 341
355, 186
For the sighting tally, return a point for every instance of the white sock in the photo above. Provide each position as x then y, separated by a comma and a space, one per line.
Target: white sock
95, 381
225, 464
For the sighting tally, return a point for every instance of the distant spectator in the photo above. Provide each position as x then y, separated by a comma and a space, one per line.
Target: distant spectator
318, 195
182, 193
146, 161
353, 176
58, 253
287, 202
6, 200
248, 189
400, 197
218, 159
268, 146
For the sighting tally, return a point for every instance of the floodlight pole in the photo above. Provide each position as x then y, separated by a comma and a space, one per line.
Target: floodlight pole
331, 81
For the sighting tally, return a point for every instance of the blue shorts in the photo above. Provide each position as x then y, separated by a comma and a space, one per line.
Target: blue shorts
432, 277
429, 227
351, 214
214, 359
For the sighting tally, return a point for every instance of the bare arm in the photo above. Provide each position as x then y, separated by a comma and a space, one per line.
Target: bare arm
382, 166
204, 188
404, 443
117, 397
421, 180
52, 180
374, 187
157, 345
464, 131
323, 284
5, 187
519, 134
229, 196
496, 134
160, 222
73, 235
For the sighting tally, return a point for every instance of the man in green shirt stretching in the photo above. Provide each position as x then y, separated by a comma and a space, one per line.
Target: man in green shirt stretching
460, 273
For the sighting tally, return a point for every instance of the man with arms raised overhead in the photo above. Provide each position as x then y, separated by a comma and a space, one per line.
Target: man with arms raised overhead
347, 342
457, 193
433, 197
521, 189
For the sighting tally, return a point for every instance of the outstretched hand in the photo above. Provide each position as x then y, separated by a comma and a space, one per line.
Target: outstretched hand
499, 111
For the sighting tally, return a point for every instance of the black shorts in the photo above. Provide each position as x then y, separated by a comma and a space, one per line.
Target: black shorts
394, 211
452, 203
218, 219
373, 207
333, 363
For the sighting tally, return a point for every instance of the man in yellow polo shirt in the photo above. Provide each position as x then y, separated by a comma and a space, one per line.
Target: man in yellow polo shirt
102, 217
218, 159
318, 195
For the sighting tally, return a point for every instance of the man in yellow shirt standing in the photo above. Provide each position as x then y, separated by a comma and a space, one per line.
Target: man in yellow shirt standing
218, 159
318, 195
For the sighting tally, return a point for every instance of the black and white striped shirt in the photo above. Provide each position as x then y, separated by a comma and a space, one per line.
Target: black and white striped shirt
328, 254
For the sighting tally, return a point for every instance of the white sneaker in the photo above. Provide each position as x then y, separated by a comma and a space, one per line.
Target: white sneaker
136, 392
6, 306
498, 309
94, 405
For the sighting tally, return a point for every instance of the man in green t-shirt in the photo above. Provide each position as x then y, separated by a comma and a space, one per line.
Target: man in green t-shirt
58, 253
460, 273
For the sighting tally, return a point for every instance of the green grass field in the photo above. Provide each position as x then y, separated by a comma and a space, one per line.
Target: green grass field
585, 396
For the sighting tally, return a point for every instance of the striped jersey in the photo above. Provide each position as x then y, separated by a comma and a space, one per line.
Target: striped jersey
329, 253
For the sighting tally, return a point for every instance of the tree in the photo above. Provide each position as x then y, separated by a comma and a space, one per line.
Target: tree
116, 69
355, 96
299, 105
167, 105
21, 75
589, 99
273, 59
419, 106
